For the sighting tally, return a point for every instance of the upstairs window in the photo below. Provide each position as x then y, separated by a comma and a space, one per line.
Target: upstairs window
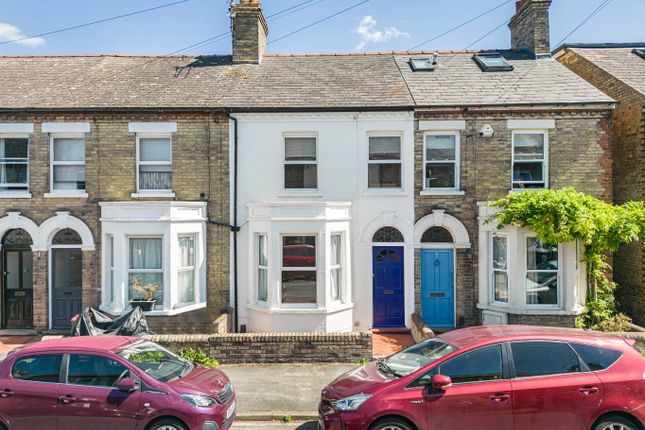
530, 159
492, 62
67, 164
14, 164
384, 164
154, 163
441, 166
300, 163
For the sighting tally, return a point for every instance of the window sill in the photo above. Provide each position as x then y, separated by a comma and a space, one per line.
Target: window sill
168, 312
381, 192
55, 195
301, 310
519, 190
442, 193
528, 310
15, 195
145, 194
300, 193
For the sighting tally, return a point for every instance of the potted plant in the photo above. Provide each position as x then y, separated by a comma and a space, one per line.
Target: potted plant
146, 295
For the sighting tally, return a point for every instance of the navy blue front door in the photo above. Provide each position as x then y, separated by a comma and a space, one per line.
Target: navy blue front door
437, 288
387, 263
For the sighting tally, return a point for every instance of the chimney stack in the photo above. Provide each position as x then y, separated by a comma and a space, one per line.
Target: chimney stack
530, 26
249, 29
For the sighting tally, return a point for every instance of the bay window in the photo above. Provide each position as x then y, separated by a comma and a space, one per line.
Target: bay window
186, 270
336, 267
441, 161
300, 163
14, 164
541, 273
499, 268
263, 268
67, 164
154, 163
299, 270
530, 165
384, 162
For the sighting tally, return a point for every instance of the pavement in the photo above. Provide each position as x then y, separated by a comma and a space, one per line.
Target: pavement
241, 425
7, 343
266, 391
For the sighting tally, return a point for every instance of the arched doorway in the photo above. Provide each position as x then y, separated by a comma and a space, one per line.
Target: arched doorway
438, 278
388, 278
17, 280
66, 277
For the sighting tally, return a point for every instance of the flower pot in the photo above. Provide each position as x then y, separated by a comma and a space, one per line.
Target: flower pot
145, 305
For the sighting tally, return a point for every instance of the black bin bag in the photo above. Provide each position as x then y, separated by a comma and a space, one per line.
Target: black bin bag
92, 322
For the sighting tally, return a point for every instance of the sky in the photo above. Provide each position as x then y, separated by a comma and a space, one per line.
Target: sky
376, 25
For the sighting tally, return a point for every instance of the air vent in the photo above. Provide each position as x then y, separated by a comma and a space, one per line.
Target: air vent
493, 62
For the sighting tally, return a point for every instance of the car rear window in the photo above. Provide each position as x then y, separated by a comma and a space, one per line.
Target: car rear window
537, 358
597, 358
38, 368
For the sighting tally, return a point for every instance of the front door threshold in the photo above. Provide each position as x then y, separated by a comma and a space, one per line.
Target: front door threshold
393, 330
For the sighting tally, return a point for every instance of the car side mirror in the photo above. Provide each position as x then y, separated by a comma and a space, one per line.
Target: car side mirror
441, 382
127, 385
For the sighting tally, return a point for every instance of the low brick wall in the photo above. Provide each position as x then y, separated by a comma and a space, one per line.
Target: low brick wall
239, 348
420, 331
638, 336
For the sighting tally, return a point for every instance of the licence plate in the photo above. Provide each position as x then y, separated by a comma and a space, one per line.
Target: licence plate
230, 411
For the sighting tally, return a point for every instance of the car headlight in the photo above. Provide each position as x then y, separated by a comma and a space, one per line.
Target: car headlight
351, 403
197, 400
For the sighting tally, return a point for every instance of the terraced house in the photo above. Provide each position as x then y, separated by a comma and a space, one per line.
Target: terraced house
310, 193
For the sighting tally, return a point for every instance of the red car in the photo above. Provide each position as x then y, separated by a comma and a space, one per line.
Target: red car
110, 383
494, 378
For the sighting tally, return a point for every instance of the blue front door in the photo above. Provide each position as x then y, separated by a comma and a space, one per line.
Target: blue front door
388, 288
437, 288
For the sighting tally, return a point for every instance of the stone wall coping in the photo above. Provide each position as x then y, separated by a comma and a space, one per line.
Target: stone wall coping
257, 337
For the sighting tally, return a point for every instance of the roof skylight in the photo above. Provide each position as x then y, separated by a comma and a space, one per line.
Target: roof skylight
421, 64
493, 62
640, 52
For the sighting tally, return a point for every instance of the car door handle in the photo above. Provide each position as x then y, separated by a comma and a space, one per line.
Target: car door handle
588, 390
500, 397
6, 393
66, 400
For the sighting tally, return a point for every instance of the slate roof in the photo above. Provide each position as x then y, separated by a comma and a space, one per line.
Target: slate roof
281, 82
618, 60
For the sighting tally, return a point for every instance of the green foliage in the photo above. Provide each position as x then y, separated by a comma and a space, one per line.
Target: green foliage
287, 419
363, 361
147, 357
567, 215
198, 356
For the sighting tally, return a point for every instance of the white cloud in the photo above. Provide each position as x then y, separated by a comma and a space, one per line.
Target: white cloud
371, 34
10, 32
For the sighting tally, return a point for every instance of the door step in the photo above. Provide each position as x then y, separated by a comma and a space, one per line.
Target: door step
393, 330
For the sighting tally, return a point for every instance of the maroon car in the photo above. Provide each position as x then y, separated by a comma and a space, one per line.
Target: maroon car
492, 378
110, 383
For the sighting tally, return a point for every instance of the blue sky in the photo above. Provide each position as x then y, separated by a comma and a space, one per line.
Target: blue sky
379, 25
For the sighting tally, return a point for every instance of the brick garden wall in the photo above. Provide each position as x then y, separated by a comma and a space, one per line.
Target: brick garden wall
629, 181
579, 157
254, 348
200, 173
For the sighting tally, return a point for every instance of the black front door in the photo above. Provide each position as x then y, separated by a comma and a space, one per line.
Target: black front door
18, 288
67, 281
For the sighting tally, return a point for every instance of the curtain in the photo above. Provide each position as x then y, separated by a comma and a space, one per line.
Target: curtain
145, 253
385, 148
154, 149
155, 177
69, 177
69, 150
300, 148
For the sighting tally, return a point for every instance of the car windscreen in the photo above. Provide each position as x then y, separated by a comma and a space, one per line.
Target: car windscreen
417, 356
156, 361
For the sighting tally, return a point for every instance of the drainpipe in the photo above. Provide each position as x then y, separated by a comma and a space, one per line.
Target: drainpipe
235, 227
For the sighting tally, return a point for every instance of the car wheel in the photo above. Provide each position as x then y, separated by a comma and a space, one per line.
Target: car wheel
392, 424
167, 424
615, 422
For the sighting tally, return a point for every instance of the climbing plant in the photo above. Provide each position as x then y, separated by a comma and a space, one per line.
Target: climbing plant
566, 215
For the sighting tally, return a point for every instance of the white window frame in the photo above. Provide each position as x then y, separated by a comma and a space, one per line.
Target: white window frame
339, 267
52, 163
163, 269
525, 272
299, 269
544, 160
457, 161
492, 269
192, 268
399, 161
153, 192
18, 192
260, 267
285, 162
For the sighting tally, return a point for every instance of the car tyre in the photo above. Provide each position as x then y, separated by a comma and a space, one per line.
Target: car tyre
615, 422
167, 424
392, 423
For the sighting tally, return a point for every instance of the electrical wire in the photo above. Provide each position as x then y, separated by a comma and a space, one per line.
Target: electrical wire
100, 21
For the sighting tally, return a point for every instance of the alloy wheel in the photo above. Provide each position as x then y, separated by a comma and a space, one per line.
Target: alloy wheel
615, 426
168, 427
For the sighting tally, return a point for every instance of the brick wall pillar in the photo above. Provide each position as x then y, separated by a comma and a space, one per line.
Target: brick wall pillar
41, 291
91, 295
